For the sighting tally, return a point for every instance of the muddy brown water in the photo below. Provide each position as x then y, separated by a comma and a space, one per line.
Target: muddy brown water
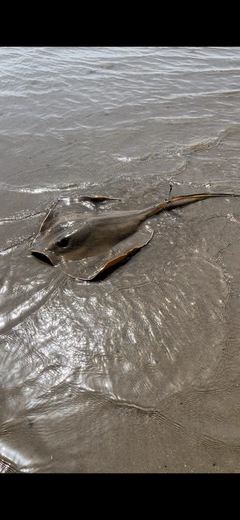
137, 371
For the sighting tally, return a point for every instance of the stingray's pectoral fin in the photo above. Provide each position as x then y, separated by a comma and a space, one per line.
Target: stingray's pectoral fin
95, 198
70, 206
88, 268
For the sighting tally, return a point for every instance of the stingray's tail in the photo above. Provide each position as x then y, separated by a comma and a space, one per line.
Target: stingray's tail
185, 199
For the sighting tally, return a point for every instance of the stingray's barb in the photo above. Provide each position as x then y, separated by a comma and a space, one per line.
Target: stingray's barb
170, 189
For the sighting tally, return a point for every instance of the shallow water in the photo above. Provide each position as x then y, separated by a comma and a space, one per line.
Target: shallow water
138, 371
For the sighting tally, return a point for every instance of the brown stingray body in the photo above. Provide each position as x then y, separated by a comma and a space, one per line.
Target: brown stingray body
86, 238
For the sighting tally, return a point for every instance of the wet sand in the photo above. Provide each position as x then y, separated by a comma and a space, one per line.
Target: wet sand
139, 370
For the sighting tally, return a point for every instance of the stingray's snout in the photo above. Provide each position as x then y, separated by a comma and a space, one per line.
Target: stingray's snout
41, 251
42, 256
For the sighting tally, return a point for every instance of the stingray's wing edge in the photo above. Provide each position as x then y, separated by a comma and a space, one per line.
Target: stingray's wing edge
109, 264
61, 202
146, 237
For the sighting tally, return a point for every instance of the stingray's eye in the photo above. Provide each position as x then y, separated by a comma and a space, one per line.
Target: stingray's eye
63, 243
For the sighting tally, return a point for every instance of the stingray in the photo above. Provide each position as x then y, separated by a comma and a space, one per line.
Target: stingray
83, 236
